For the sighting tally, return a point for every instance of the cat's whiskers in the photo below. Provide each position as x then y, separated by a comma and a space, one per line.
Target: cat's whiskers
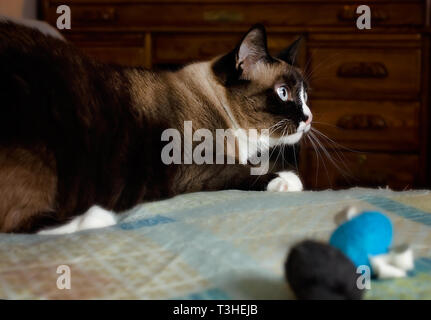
276, 126
346, 173
325, 124
339, 154
333, 142
321, 66
317, 157
280, 149
306, 67
294, 157
271, 153
320, 157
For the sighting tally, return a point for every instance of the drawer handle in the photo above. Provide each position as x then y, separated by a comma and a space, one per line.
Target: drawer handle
362, 70
106, 15
348, 13
362, 122
362, 158
223, 16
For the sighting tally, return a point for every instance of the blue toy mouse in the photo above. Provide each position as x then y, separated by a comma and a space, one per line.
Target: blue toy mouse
366, 238
318, 270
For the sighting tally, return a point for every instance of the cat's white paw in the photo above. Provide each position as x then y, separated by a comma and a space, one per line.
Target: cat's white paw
95, 217
287, 181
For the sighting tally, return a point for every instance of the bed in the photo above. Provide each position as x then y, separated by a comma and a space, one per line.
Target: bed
209, 245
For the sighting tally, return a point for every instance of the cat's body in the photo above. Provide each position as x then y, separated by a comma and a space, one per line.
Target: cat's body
75, 133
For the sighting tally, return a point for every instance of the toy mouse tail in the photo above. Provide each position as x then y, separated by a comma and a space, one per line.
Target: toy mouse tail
317, 270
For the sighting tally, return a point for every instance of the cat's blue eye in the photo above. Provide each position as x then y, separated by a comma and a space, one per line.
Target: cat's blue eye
283, 93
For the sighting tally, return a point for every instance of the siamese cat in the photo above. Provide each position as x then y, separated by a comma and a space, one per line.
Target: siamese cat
80, 140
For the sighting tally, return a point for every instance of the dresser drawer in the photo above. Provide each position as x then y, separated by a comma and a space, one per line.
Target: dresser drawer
368, 125
126, 49
125, 56
271, 13
398, 171
181, 48
186, 47
365, 73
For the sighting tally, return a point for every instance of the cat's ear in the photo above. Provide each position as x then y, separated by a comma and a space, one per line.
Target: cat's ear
289, 54
239, 63
251, 49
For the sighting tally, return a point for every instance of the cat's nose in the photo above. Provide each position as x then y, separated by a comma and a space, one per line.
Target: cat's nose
309, 119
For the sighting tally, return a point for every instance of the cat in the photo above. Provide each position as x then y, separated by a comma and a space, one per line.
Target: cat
80, 140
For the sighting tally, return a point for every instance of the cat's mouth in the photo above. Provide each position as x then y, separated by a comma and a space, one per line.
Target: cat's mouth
294, 137
291, 139
305, 126
265, 141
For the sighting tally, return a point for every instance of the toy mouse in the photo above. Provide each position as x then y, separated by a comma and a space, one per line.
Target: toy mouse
366, 238
317, 270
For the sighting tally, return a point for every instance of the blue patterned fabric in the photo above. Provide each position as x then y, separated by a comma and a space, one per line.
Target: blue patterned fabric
209, 245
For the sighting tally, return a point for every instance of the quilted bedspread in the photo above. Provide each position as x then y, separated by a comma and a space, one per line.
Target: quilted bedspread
209, 245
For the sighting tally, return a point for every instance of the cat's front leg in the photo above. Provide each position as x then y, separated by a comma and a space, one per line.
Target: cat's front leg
194, 178
283, 181
94, 218
287, 181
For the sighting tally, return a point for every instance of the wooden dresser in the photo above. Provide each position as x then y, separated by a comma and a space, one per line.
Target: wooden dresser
370, 88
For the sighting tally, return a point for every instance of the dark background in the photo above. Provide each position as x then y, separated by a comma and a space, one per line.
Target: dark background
369, 88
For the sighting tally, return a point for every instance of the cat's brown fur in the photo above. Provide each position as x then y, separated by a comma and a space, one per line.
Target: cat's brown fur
75, 133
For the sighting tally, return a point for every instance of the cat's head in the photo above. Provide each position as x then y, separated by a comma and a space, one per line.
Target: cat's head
264, 92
